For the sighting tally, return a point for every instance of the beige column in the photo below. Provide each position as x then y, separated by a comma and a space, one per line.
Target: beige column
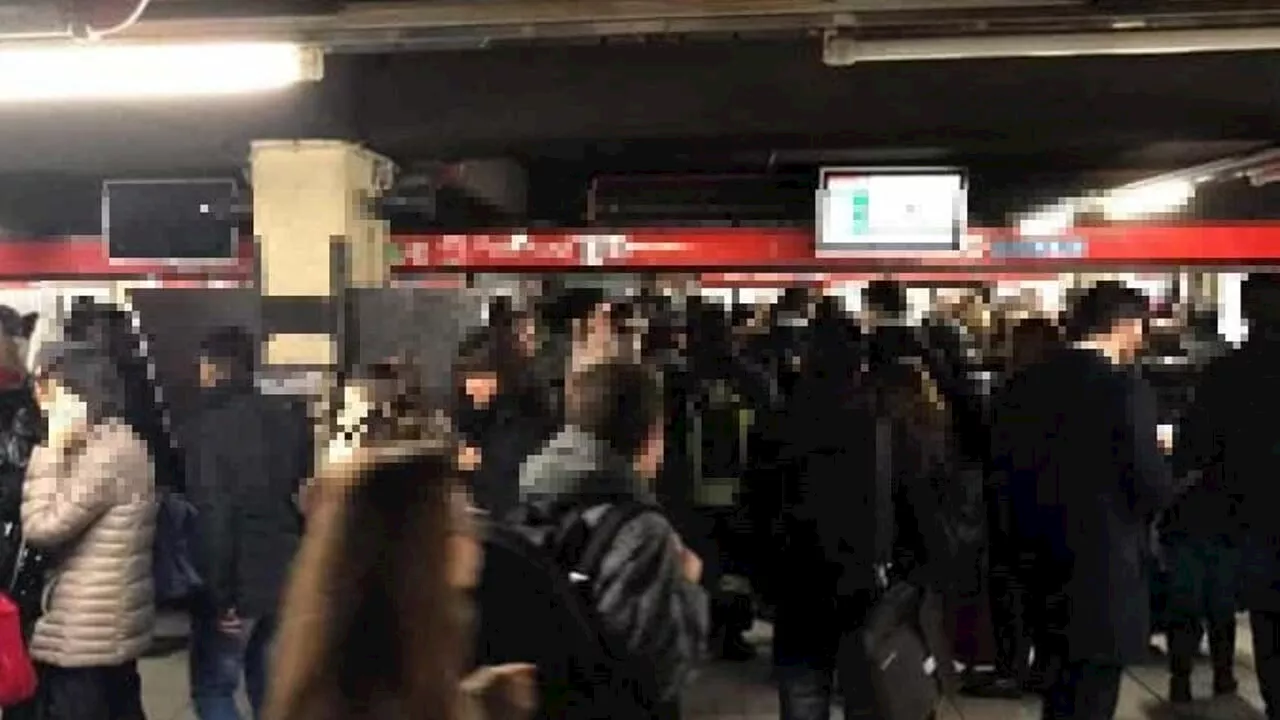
317, 234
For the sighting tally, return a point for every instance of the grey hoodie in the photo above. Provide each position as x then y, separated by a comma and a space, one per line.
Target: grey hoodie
576, 463
650, 612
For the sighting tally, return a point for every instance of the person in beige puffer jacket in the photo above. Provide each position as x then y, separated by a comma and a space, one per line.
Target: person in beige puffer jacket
89, 502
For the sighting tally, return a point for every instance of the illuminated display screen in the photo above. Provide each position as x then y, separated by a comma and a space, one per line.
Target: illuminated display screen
891, 209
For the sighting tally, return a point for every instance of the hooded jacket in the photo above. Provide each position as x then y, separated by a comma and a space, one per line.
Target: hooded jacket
649, 611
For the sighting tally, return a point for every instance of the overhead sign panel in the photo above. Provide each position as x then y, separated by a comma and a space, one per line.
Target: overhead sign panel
876, 209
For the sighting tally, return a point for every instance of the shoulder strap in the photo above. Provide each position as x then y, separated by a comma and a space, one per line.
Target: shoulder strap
19, 561
605, 532
566, 534
884, 506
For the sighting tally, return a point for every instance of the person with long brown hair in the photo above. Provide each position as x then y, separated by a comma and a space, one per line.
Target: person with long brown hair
375, 622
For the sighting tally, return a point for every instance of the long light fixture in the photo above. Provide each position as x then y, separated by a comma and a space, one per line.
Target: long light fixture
102, 71
1139, 201
841, 50
1053, 221
1126, 203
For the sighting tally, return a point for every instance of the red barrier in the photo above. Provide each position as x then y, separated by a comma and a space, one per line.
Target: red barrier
715, 250
995, 250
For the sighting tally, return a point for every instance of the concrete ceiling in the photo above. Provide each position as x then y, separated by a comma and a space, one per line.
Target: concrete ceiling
733, 97
670, 85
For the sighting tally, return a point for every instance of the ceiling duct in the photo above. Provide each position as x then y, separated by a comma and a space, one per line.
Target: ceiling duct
696, 199
35, 21
67, 19
372, 26
500, 184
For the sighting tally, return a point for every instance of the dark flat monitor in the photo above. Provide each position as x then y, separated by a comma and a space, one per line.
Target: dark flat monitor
178, 221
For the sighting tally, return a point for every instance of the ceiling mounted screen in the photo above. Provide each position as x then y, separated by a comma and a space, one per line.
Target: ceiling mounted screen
877, 209
180, 221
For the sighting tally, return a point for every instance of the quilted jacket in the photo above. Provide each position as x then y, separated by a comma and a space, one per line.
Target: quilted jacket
93, 510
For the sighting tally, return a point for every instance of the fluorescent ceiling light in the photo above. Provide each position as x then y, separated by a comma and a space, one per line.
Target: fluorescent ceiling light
116, 71
1138, 201
1050, 222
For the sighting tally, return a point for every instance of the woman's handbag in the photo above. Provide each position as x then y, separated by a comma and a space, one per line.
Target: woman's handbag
17, 673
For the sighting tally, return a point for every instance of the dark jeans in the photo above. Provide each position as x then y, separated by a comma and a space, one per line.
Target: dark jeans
805, 691
1203, 584
1083, 691
219, 659
807, 671
732, 614
1266, 657
1013, 615
112, 692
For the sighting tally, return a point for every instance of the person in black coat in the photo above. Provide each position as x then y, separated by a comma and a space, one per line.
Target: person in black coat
1076, 439
819, 447
501, 414
1229, 439
247, 456
826, 576
1013, 618
21, 430
20, 425
1199, 536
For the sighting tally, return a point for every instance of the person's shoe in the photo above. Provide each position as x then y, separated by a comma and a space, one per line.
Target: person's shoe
735, 648
1225, 685
1039, 680
993, 686
1180, 691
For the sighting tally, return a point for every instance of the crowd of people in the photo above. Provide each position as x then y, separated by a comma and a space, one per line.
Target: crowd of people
533, 545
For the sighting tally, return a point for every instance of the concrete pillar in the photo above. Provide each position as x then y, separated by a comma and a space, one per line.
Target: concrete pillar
317, 234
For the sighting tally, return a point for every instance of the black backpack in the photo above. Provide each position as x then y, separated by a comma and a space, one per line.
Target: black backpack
535, 605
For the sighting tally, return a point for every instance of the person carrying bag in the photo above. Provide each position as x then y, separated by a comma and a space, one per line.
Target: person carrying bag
888, 668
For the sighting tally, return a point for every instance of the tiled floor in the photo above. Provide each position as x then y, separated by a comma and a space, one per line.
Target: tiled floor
743, 691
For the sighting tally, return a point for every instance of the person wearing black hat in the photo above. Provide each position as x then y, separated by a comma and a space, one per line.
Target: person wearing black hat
1074, 439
